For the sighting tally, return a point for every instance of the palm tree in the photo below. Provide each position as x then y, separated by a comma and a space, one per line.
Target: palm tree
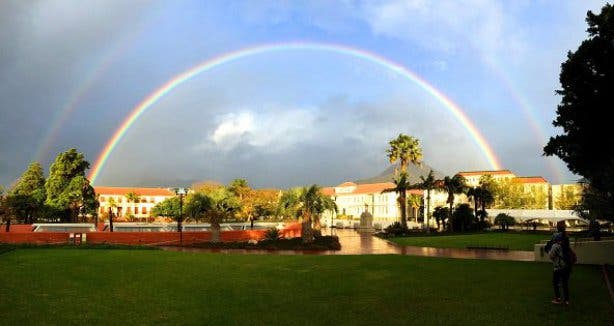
133, 197
454, 185
223, 204
404, 149
112, 204
415, 201
308, 203
429, 184
475, 193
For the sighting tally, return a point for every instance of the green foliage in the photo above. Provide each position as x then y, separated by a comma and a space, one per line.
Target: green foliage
463, 218
569, 198
441, 214
272, 234
429, 184
504, 221
586, 144
26, 199
197, 204
453, 186
68, 190
167, 208
396, 229
308, 204
404, 149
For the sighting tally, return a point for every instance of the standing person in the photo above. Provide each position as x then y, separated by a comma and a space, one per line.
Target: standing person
560, 256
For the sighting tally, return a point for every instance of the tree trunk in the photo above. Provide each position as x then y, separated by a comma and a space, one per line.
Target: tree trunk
215, 229
110, 220
215, 234
428, 211
403, 204
8, 225
306, 229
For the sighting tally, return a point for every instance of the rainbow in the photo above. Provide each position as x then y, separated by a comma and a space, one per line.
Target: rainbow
212, 63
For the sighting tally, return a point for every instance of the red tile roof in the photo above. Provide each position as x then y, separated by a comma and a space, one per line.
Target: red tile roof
368, 188
122, 191
529, 180
491, 172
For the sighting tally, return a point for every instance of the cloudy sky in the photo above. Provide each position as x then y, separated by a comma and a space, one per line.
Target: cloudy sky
71, 73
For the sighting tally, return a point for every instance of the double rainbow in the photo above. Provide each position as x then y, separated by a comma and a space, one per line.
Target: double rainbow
209, 64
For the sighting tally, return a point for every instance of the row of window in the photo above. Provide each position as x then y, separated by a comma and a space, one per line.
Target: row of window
120, 199
120, 209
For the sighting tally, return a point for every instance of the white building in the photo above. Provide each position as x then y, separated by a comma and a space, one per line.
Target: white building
148, 198
353, 199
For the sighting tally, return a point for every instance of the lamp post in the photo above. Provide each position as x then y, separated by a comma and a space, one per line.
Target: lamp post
180, 192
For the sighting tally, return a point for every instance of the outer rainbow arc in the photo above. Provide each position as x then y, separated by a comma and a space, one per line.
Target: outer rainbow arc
236, 55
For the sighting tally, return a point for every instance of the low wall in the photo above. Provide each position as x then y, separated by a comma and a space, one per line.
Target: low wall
553, 215
143, 238
588, 252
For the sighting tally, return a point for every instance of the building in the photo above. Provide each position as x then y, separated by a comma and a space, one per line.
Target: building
473, 177
122, 207
353, 199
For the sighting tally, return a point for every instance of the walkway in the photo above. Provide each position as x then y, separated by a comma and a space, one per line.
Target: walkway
354, 243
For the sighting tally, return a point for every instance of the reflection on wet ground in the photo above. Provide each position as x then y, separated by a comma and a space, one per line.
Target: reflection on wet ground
355, 243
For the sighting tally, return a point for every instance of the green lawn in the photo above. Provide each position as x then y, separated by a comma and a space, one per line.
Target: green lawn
125, 287
513, 241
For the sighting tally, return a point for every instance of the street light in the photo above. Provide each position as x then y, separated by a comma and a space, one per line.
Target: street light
180, 192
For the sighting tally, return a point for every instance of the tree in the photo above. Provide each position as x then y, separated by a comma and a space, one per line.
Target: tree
454, 185
586, 144
404, 149
462, 218
429, 184
134, 198
475, 193
223, 205
167, 208
415, 202
504, 221
308, 203
401, 185
68, 189
440, 214
112, 204
197, 204
265, 203
26, 199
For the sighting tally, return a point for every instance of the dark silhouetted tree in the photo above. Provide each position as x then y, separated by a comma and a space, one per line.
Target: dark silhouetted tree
587, 89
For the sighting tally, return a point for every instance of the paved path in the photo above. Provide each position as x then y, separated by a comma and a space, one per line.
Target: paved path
354, 243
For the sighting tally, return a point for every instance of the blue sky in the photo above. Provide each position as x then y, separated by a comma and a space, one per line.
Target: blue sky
284, 118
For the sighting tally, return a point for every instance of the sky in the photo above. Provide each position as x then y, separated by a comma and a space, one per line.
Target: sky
473, 80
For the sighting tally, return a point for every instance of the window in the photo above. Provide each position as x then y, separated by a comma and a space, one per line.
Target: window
136, 210
102, 199
143, 210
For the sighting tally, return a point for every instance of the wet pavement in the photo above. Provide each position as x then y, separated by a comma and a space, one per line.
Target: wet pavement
355, 243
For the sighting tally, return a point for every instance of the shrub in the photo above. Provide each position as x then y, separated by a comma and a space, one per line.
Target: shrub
396, 229
272, 234
504, 221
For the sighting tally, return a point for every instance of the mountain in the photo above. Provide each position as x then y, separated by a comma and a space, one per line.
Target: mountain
414, 171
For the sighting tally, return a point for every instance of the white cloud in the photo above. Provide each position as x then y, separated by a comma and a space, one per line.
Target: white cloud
444, 25
271, 129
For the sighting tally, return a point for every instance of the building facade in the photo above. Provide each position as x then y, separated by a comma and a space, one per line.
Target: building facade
353, 199
116, 198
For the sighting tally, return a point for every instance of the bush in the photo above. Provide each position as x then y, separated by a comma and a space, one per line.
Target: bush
504, 221
396, 229
463, 218
272, 234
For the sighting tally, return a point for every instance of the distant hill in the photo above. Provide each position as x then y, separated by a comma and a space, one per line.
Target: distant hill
415, 172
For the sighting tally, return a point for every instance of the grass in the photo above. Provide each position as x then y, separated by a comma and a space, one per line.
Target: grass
510, 240
61, 286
